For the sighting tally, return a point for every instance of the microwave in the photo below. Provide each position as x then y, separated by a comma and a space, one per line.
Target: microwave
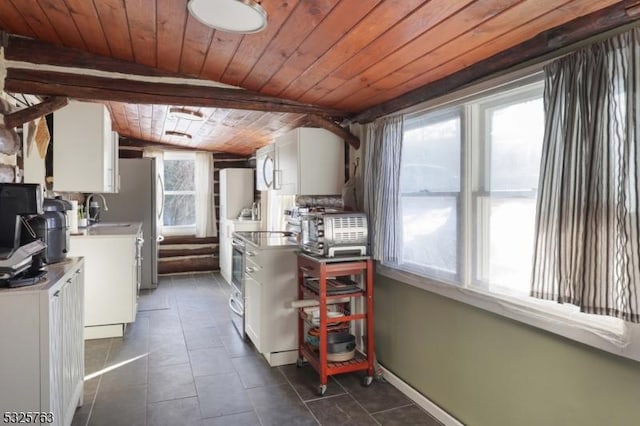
330, 234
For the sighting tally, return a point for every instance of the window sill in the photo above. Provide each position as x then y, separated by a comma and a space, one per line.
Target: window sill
178, 230
625, 343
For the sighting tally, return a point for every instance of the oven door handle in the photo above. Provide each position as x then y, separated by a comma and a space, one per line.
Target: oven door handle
232, 305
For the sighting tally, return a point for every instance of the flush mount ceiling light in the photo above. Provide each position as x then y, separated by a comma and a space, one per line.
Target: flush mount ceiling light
186, 114
235, 16
178, 134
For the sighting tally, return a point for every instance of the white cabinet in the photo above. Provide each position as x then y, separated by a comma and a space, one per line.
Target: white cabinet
227, 228
309, 161
236, 191
42, 360
252, 310
112, 282
85, 149
270, 286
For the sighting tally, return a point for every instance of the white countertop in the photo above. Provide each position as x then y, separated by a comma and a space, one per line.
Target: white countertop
110, 229
266, 240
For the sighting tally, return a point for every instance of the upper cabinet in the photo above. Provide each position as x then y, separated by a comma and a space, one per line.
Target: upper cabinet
85, 149
309, 161
236, 192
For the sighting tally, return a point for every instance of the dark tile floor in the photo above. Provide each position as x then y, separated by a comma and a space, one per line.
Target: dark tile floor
182, 363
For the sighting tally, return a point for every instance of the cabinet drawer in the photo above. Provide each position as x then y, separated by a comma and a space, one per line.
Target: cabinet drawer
253, 258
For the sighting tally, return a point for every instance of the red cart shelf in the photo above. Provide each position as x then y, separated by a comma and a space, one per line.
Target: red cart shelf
323, 268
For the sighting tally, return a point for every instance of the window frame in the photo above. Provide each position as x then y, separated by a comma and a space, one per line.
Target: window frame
455, 278
608, 334
479, 179
179, 229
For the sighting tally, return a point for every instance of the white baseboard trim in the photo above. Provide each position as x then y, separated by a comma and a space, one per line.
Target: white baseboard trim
103, 331
421, 400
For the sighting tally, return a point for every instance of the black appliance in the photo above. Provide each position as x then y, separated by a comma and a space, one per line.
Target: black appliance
16, 200
20, 263
52, 228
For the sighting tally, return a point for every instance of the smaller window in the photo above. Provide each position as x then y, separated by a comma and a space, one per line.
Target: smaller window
179, 190
430, 194
507, 188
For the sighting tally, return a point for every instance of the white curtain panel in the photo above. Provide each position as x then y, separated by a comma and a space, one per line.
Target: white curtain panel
205, 201
587, 248
382, 188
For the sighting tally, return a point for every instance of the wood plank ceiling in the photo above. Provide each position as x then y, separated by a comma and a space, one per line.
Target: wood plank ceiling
349, 55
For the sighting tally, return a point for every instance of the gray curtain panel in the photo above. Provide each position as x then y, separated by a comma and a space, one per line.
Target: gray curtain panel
587, 235
382, 188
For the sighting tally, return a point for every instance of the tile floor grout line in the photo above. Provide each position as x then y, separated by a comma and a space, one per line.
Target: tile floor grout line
300, 397
365, 410
95, 396
190, 363
394, 408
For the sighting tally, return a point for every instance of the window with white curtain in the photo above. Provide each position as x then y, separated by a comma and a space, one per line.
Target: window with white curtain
179, 213
468, 183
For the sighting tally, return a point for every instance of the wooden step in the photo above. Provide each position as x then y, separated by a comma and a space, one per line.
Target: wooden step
188, 239
191, 264
187, 252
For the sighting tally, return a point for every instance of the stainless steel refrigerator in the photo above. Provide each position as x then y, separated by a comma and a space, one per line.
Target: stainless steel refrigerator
139, 200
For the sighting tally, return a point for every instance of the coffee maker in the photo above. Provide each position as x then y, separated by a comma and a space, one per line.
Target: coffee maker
20, 263
52, 228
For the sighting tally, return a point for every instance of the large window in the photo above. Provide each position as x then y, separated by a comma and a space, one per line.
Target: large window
179, 191
468, 185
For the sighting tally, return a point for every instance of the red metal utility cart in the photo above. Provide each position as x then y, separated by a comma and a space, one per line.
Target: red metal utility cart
322, 269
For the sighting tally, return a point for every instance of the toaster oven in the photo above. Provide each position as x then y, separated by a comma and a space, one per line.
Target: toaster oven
331, 234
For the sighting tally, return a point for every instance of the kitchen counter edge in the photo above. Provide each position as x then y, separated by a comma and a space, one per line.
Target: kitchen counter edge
266, 243
129, 230
55, 272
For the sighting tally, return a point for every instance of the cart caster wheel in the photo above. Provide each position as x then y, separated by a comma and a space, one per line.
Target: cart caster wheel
367, 380
299, 362
322, 389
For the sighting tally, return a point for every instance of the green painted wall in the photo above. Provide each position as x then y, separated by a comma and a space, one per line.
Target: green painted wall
488, 370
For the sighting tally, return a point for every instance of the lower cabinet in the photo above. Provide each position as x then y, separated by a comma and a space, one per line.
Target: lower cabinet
42, 355
270, 287
111, 296
253, 311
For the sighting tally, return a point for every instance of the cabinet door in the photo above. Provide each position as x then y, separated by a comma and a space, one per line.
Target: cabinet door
252, 309
112, 172
286, 182
82, 148
320, 162
56, 356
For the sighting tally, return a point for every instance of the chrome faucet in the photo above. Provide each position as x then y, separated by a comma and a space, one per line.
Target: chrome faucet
104, 202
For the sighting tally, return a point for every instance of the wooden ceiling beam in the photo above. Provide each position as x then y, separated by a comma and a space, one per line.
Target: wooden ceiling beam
82, 86
24, 49
25, 115
563, 36
335, 128
137, 143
